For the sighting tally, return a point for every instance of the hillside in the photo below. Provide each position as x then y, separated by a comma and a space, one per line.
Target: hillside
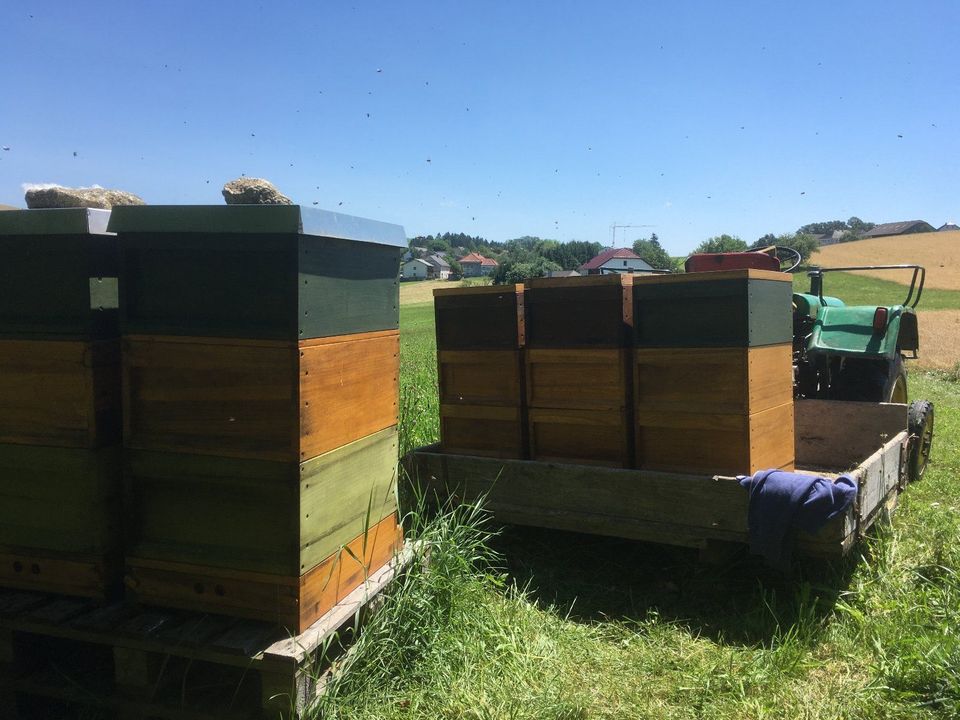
938, 252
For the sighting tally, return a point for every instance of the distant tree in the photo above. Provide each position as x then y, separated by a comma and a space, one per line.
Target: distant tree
858, 228
721, 243
803, 243
653, 253
510, 272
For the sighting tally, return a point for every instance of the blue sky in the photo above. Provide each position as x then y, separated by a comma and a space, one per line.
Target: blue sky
499, 119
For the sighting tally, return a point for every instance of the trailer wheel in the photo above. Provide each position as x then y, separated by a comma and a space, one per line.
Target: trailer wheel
920, 423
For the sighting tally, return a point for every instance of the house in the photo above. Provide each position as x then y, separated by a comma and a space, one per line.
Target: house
439, 267
415, 269
831, 238
563, 273
907, 227
948, 227
475, 265
615, 260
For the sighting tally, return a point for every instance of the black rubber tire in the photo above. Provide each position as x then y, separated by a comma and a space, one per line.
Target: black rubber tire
869, 380
920, 419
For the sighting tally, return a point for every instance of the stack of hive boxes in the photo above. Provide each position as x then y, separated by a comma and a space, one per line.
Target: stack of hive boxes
60, 486
260, 390
578, 380
713, 381
480, 337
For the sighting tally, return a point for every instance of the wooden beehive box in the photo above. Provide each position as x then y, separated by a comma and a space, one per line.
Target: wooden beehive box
577, 369
60, 484
280, 272
728, 308
480, 338
58, 274
258, 537
713, 375
260, 388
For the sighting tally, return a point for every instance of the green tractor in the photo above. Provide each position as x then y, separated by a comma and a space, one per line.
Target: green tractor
857, 352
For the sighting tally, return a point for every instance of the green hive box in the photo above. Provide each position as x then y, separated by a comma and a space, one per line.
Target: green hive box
280, 272
277, 518
58, 274
731, 308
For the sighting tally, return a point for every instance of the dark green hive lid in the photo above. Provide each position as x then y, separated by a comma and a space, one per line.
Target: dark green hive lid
54, 221
254, 219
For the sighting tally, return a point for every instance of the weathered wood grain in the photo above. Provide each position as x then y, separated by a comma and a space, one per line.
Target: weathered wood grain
486, 430
60, 392
480, 377
587, 436
294, 602
349, 388
715, 443
838, 434
713, 380
578, 378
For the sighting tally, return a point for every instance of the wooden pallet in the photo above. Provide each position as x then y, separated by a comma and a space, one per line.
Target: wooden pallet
128, 661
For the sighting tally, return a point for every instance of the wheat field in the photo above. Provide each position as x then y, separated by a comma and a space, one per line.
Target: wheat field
938, 252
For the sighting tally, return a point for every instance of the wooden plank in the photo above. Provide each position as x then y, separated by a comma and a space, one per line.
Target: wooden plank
483, 430
578, 378
216, 398
59, 392
839, 434
663, 507
588, 436
348, 390
480, 377
88, 576
713, 380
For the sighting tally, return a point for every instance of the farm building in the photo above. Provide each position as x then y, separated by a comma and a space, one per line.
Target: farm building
906, 227
615, 260
475, 265
415, 269
831, 238
948, 227
439, 267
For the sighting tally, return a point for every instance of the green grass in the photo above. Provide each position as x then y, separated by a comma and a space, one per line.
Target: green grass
863, 290
528, 623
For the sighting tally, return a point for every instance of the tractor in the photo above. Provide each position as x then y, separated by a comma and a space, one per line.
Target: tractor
847, 352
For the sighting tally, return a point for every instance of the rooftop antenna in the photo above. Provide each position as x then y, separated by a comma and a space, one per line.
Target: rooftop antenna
615, 226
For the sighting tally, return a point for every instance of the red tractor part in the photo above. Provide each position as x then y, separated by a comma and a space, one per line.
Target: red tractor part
757, 260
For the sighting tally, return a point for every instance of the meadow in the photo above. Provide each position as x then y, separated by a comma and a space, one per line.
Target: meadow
526, 623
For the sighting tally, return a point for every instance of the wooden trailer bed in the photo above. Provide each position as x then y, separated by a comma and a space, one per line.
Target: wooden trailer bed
866, 440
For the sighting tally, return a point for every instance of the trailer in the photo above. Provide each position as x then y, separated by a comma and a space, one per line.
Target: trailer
868, 441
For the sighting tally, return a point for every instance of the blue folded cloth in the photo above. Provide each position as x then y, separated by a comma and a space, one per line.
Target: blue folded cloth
780, 501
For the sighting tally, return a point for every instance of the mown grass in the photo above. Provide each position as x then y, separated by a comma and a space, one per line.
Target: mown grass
864, 290
527, 623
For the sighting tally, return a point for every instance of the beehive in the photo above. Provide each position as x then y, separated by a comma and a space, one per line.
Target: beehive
60, 495
260, 386
713, 377
578, 378
480, 338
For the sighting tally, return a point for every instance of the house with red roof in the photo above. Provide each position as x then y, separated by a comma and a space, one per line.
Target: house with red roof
615, 260
475, 265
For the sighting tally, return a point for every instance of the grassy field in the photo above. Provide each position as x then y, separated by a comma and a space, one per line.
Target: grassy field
524, 623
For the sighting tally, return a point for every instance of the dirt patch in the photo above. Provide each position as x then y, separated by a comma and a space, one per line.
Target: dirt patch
939, 339
938, 252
